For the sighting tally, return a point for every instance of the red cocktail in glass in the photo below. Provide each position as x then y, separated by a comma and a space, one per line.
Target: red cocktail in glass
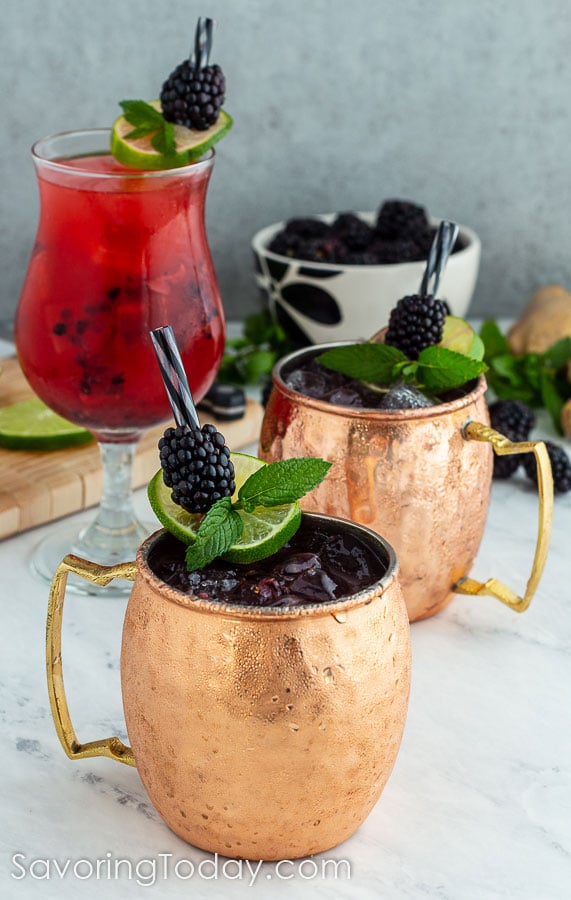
118, 252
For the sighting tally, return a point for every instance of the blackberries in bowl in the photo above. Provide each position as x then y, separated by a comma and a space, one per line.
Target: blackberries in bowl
337, 276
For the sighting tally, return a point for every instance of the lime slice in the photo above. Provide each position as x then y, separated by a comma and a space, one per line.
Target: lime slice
30, 425
457, 335
266, 529
139, 153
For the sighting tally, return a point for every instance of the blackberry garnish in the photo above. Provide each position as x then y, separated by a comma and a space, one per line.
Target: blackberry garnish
192, 97
194, 92
197, 466
560, 467
415, 323
515, 420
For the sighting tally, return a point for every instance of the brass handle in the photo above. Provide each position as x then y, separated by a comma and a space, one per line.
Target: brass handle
475, 431
112, 746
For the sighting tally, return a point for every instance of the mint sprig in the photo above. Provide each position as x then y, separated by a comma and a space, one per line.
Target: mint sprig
536, 379
149, 121
220, 528
436, 370
275, 484
282, 482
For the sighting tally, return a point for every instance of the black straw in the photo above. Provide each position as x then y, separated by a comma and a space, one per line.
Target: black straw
174, 377
441, 248
202, 42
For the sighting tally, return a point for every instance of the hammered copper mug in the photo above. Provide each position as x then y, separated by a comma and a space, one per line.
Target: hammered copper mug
258, 733
420, 477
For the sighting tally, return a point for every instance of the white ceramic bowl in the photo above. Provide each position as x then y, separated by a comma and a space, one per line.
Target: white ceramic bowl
334, 302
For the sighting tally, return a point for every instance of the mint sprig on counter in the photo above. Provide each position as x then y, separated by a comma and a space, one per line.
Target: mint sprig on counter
149, 121
536, 379
437, 369
275, 484
249, 359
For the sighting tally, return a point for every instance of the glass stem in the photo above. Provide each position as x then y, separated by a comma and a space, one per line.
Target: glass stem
115, 533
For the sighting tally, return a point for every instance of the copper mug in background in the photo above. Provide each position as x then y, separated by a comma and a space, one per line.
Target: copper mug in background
258, 733
420, 477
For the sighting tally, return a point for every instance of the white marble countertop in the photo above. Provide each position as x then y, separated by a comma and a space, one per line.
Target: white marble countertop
478, 805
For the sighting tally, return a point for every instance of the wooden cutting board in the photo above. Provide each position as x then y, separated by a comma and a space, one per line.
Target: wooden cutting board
37, 487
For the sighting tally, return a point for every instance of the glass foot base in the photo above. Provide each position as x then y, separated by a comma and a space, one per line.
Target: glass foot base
90, 541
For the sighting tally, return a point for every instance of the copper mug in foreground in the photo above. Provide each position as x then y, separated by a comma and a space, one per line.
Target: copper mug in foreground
258, 733
420, 477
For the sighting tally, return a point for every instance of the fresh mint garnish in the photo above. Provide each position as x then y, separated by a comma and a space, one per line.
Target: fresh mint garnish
436, 370
275, 484
536, 379
282, 482
220, 528
366, 362
149, 121
440, 369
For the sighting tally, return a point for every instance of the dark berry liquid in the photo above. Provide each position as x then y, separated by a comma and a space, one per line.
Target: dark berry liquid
117, 254
321, 563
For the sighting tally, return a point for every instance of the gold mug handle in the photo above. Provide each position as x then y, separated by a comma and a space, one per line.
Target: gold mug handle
476, 431
112, 746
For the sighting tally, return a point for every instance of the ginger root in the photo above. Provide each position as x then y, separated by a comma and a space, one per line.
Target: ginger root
546, 319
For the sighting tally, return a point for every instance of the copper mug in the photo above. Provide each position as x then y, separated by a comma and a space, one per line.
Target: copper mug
420, 477
258, 733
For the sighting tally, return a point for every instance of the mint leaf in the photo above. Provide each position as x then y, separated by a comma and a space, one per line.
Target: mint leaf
552, 400
140, 113
495, 342
559, 354
282, 482
163, 141
440, 369
509, 368
366, 362
220, 528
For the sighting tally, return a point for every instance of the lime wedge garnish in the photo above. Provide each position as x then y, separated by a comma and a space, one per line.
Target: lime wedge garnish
459, 336
266, 529
139, 153
31, 425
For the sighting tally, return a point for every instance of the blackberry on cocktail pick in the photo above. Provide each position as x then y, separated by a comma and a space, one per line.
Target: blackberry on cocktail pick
196, 464
195, 461
515, 420
194, 92
417, 321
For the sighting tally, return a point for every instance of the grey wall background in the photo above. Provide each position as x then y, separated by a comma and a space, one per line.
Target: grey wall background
462, 105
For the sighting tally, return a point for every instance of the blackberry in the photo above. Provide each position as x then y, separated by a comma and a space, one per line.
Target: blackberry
560, 467
353, 231
389, 252
415, 323
401, 219
287, 245
404, 396
512, 418
196, 464
307, 228
192, 96
515, 420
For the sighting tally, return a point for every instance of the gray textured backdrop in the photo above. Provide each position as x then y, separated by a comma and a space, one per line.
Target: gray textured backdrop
462, 105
